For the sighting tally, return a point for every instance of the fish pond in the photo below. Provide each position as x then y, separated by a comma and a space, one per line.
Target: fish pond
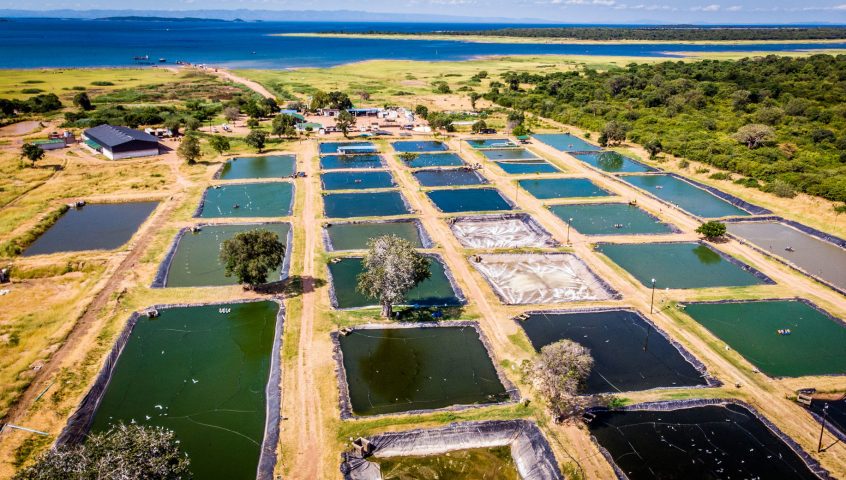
271, 166
565, 142
203, 374
834, 412
509, 154
391, 370
333, 147
815, 256
686, 196
374, 204
610, 219
629, 353
424, 160
98, 226
437, 290
680, 265
247, 200
549, 188
419, 146
351, 162
612, 162
449, 177
195, 261
354, 236
501, 231
356, 180
522, 168
495, 463
491, 143
782, 338
701, 442
469, 200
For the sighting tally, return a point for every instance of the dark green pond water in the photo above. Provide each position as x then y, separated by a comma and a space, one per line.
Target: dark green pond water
103, 226
509, 154
699, 443
519, 168
436, 160
420, 146
469, 200
196, 262
448, 178
248, 200
678, 265
688, 197
610, 219
565, 142
271, 166
613, 163
375, 204
399, 369
547, 188
356, 180
629, 354
354, 236
338, 162
436, 290
494, 463
816, 344
203, 375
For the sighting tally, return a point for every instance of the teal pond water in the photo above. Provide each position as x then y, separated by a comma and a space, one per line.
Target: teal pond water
609, 219
448, 177
270, 166
469, 200
565, 142
424, 160
374, 204
354, 236
247, 200
340, 162
356, 180
549, 188
526, 167
687, 196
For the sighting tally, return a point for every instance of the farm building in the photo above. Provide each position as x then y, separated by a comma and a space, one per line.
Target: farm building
120, 142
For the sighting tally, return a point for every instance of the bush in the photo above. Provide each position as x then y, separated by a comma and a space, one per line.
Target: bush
102, 83
781, 189
712, 230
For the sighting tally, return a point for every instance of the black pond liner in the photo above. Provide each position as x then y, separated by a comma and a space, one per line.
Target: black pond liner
345, 403
529, 448
527, 220
737, 202
825, 237
425, 239
79, 423
160, 280
199, 210
710, 381
665, 406
462, 300
835, 420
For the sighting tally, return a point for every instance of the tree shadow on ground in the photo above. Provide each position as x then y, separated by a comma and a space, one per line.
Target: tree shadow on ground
427, 314
293, 286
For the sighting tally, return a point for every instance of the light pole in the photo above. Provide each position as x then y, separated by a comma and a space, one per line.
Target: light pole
569, 221
652, 301
822, 426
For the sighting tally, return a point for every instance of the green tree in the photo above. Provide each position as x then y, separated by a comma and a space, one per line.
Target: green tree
32, 152
838, 210
82, 101
781, 188
189, 149
754, 135
231, 114
392, 267
557, 374
408, 157
256, 139
123, 451
478, 126
520, 130
250, 256
654, 147
712, 230
219, 144
345, 122
614, 132
421, 111
284, 125
474, 97
173, 123
192, 124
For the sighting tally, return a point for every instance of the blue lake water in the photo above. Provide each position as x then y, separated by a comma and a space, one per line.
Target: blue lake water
32, 43
566, 142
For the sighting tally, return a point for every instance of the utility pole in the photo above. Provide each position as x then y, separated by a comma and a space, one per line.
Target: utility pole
652, 301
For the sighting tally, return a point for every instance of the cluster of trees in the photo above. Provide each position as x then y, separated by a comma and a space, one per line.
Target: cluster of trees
776, 120
336, 100
44, 103
665, 33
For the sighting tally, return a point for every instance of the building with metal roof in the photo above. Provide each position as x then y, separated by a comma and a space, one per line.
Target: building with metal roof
117, 142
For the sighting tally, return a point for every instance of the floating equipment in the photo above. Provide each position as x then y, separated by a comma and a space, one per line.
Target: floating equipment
236, 206
152, 313
345, 331
196, 229
789, 249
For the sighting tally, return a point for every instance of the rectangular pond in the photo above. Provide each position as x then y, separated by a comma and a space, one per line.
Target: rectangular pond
834, 412
538, 278
610, 219
509, 154
270, 166
97, 226
686, 196
469, 200
437, 290
356, 180
566, 142
374, 204
195, 261
783, 338
549, 188
612, 162
351, 162
443, 177
471, 464
629, 353
813, 255
272, 199
501, 231
717, 441
681, 265
349, 147
354, 236
419, 146
424, 160
482, 143
205, 375
527, 167
391, 370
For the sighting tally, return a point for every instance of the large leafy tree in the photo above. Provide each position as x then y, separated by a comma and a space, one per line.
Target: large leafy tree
189, 149
250, 256
284, 125
122, 452
345, 122
32, 152
82, 101
712, 230
256, 139
392, 267
219, 144
557, 373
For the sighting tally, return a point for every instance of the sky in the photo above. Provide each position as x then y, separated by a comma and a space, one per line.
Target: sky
565, 11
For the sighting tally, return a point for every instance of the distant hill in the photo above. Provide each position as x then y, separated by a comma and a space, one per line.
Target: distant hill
137, 18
